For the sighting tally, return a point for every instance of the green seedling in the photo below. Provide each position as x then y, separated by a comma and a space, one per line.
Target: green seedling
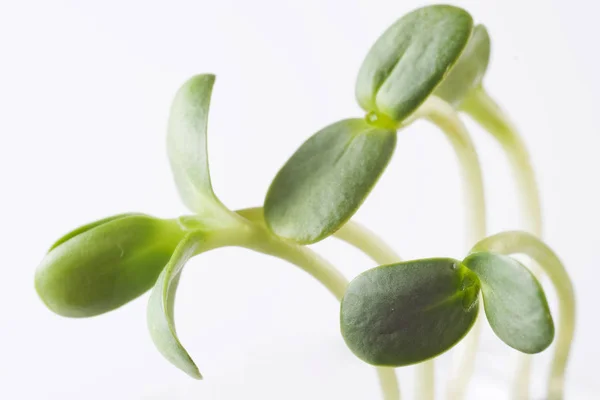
404, 313
430, 64
448, 58
399, 74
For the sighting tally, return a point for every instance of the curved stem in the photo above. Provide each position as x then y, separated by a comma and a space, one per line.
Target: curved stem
484, 110
303, 257
366, 241
363, 239
446, 118
525, 243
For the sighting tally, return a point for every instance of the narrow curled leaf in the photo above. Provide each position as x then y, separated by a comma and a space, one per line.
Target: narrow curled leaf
469, 70
411, 58
187, 143
408, 312
105, 264
160, 314
514, 302
323, 184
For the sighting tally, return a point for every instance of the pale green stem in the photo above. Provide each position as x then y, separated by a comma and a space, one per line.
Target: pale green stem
366, 241
446, 118
529, 245
425, 380
303, 257
484, 110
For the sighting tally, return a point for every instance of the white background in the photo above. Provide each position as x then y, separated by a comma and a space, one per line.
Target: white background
85, 88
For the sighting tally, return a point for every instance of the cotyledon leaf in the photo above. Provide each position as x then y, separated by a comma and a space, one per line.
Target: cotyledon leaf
469, 70
105, 264
187, 144
411, 58
514, 302
405, 313
87, 227
327, 179
160, 313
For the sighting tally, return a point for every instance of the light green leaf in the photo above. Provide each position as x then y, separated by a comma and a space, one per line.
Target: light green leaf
408, 312
160, 314
323, 184
87, 227
105, 264
186, 144
469, 70
411, 58
514, 302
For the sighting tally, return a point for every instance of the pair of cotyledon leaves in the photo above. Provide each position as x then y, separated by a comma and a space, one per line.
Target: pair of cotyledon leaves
431, 51
406, 313
391, 315
106, 264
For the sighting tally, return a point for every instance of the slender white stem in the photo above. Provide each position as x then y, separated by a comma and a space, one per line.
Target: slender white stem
388, 381
323, 271
446, 118
366, 241
528, 244
425, 380
484, 110
363, 239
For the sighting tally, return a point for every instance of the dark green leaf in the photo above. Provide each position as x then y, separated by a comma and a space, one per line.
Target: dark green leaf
411, 58
514, 302
469, 70
405, 313
327, 179
105, 265
186, 144
161, 320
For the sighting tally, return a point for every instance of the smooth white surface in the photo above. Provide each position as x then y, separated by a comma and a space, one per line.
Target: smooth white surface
85, 88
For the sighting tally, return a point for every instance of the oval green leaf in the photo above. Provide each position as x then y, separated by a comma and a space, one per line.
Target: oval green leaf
105, 264
469, 70
323, 184
405, 313
161, 305
187, 144
514, 302
411, 58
